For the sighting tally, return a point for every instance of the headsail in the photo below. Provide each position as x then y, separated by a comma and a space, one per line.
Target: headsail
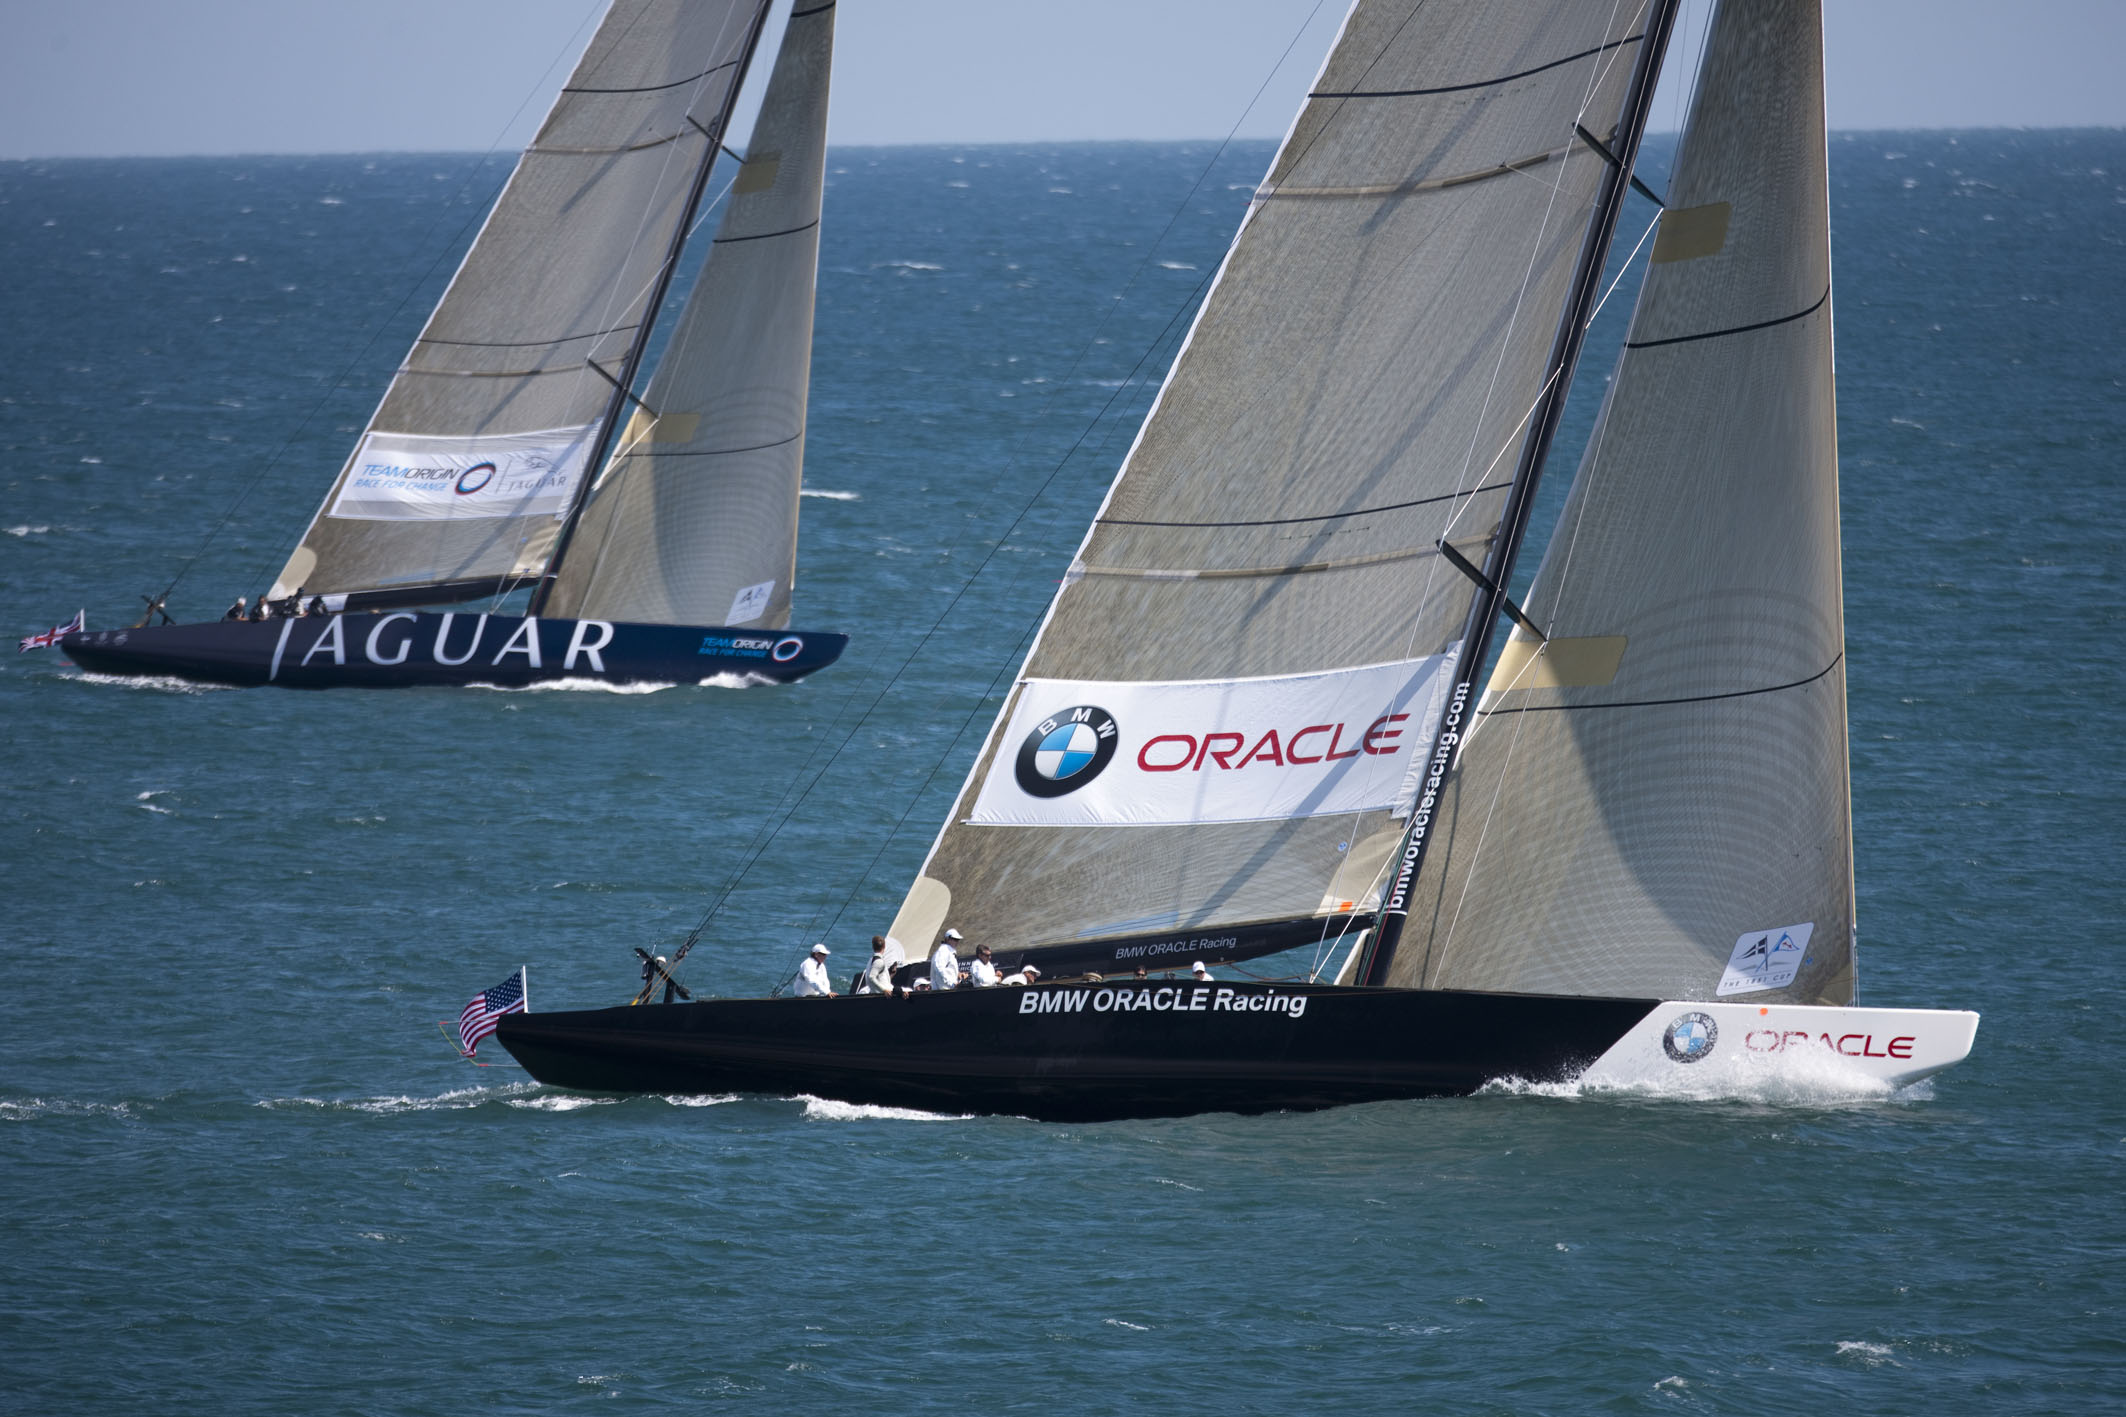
1264, 569
1657, 803
460, 482
694, 521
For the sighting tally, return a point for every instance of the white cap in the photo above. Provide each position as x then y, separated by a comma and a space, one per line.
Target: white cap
1197, 968
1029, 969
953, 935
821, 948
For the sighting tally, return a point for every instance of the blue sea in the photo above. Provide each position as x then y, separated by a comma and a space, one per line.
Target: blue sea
241, 1171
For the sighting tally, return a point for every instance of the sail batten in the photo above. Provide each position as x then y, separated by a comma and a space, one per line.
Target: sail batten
1681, 826
1375, 335
557, 287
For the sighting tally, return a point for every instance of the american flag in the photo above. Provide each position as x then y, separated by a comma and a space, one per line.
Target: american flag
486, 1009
54, 635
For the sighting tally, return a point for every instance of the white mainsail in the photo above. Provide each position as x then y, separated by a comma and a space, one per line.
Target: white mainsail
471, 461
1354, 389
1657, 803
694, 521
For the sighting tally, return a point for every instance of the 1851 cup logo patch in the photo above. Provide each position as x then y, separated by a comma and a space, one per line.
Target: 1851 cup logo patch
1065, 751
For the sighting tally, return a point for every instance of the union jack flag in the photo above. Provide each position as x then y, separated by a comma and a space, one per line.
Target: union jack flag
484, 1013
54, 635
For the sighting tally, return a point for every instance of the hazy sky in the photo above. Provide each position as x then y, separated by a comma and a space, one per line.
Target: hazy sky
85, 77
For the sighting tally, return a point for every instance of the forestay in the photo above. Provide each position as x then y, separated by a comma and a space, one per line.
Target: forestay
695, 519
447, 488
1657, 802
1353, 389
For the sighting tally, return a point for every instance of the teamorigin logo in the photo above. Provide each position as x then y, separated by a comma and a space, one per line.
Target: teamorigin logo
1065, 751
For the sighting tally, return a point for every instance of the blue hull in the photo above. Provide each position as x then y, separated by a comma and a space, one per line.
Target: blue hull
403, 649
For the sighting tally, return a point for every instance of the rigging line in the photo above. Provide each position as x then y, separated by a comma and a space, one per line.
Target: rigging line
1012, 661
362, 353
1047, 403
1476, 855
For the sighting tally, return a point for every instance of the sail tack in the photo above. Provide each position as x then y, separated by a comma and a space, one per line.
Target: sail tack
694, 520
1656, 802
446, 487
1352, 391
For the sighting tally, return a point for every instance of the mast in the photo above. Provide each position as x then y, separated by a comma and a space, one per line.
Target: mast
1491, 598
624, 384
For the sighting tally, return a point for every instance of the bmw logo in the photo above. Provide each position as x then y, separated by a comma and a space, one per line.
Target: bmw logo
1065, 751
475, 477
1690, 1038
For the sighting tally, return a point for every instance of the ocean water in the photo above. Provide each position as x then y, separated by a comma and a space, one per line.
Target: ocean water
241, 1171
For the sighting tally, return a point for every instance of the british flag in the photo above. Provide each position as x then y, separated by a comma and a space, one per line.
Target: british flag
484, 1013
54, 635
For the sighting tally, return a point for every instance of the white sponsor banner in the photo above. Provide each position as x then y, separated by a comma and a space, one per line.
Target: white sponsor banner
410, 477
1765, 959
1089, 753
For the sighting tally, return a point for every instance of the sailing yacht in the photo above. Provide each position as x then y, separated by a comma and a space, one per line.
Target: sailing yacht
656, 531
1270, 705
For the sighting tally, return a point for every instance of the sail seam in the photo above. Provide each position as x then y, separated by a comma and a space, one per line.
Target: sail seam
763, 236
815, 10
630, 451
607, 152
1270, 192
1323, 517
1482, 83
1657, 703
660, 88
525, 343
1736, 330
1160, 573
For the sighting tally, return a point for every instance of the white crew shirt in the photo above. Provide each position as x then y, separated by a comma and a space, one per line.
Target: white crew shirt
945, 967
982, 972
812, 977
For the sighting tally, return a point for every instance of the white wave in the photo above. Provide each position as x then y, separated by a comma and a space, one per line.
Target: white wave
830, 496
25, 1109
154, 683
573, 686
1826, 1085
1125, 1323
455, 1100
558, 1102
734, 681
1872, 1354
1175, 266
707, 1100
27, 530
907, 266
822, 1109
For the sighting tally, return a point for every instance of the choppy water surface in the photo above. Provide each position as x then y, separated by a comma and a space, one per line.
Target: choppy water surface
244, 1173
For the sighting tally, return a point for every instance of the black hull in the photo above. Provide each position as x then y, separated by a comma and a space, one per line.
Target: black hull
1258, 1048
403, 649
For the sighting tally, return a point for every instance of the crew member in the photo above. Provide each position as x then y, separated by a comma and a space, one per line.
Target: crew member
317, 605
878, 975
1026, 974
1203, 975
896, 953
945, 962
236, 611
982, 970
812, 974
